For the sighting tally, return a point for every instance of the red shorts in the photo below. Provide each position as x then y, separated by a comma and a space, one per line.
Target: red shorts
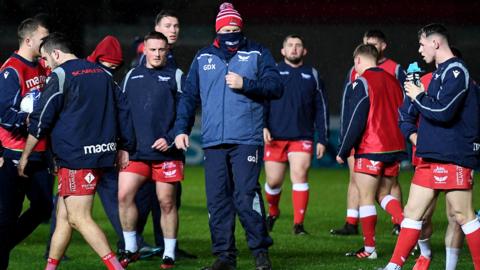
162, 171
278, 150
363, 165
442, 176
78, 182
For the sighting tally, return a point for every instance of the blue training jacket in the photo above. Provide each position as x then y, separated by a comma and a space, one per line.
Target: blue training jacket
229, 116
82, 109
152, 95
449, 125
302, 109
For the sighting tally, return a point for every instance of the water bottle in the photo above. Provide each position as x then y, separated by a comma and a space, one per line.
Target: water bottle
413, 74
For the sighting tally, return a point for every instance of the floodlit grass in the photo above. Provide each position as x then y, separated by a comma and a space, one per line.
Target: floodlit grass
319, 250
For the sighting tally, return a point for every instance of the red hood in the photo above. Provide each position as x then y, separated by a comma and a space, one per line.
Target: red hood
108, 50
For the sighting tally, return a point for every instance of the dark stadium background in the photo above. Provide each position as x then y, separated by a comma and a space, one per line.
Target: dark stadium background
332, 29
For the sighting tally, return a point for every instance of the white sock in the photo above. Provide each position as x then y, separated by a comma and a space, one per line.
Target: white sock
130, 241
451, 258
424, 245
170, 244
392, 266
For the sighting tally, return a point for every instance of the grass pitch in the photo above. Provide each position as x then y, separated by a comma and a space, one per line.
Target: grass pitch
319, 250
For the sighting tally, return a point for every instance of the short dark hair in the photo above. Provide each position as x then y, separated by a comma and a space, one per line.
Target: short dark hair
375, 33
56, 41
367, 50
434, 28
295, 36
165, 13
155, 35
28, 26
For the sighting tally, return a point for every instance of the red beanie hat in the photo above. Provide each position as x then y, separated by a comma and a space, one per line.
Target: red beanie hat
108, 50
228, 16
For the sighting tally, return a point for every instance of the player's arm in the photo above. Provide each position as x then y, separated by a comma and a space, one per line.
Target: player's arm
187, 104
407, 118
43, 117
11, 117
321, 111
180, 80
444, 106
50, 105
400, 74
125, 129
268, 84
358, 106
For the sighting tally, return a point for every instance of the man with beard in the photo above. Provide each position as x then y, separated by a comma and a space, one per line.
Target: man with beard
291, 122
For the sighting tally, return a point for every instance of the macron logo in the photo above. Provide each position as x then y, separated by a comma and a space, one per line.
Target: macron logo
6, 74
456, 73
100, 148
354, 84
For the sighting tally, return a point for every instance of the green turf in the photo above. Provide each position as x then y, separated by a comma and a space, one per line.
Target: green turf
319, 250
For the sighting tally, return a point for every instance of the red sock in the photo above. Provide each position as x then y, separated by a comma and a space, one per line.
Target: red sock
393, 207
111, 261
408, 237
352, 217
368, 219
52, 264
472, 233
273, 199
300, 202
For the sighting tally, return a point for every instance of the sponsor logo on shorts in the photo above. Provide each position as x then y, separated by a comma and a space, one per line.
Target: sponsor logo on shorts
307, 145
170, 174
169, 165
71, 180
359, 163
440, 179
439, 169
89, 178
374, 165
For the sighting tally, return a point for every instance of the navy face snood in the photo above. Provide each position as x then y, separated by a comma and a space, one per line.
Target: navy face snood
230, 42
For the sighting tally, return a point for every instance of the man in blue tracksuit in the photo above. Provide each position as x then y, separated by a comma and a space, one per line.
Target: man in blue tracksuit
291, 122
448, 143
151, 90
81, 110
231, 78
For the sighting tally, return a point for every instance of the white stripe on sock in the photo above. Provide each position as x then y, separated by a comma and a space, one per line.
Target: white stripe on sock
471, 226
367, 210
272, 191
412, 224
386, 200
353, 213
300, 187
